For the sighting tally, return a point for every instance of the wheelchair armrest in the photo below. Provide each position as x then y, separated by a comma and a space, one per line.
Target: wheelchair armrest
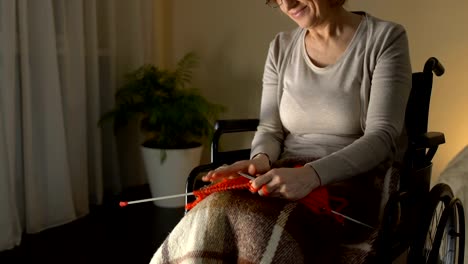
429, 141
236, 125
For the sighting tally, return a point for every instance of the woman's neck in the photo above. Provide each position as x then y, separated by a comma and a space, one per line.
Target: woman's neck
325, 43
339, 22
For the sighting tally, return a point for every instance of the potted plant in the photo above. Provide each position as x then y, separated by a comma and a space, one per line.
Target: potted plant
175, 121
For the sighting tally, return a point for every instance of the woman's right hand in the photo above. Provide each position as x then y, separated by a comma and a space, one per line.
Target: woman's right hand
260, 164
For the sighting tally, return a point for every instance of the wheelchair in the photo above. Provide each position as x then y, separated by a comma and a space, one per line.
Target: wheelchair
426, 223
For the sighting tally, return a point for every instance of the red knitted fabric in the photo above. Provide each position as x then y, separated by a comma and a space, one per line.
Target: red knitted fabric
239, 183
318, 201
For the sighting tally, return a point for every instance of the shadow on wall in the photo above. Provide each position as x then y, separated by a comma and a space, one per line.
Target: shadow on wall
233, 82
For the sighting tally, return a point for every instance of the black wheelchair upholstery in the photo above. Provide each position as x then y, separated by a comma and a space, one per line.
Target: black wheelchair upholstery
411, 213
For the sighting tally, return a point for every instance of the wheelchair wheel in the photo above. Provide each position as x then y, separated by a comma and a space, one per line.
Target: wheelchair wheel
441, 238
448, 237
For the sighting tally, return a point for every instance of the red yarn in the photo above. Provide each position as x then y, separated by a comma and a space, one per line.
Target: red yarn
239, 183
318, 201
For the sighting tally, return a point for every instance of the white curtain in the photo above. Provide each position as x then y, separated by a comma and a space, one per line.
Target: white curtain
60, 64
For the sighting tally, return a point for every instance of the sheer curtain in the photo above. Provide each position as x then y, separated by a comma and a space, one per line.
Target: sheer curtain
60, 64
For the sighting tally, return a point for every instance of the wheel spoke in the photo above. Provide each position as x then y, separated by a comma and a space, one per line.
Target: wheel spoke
443, 231
433, 229
448, 247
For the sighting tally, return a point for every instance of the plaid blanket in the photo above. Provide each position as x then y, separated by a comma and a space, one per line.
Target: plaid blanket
240, 227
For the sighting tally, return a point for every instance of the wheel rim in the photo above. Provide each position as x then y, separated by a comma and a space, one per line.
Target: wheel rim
431, 233
425, 239
440, 233
444, 237
448, 246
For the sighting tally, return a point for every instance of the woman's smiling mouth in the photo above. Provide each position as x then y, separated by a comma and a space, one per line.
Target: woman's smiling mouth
297, 13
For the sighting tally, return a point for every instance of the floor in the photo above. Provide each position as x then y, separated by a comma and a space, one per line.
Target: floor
109, 234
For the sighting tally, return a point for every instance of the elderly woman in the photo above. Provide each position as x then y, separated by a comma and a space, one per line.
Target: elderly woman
334, 96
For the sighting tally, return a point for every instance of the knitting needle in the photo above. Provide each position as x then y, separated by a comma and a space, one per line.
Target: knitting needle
124, 203
332, 211
246, 175
352, 219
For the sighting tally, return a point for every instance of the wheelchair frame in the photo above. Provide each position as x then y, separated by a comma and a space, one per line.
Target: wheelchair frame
417, 219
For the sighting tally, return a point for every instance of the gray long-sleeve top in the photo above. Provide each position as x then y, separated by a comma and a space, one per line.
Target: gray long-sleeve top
350, 114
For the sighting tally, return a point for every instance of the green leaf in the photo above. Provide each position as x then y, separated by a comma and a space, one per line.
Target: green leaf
170, 113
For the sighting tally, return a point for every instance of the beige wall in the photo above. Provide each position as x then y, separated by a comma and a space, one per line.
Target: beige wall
439, 29
232, 38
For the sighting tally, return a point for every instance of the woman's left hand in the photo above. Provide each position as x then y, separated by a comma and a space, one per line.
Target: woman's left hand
290, 183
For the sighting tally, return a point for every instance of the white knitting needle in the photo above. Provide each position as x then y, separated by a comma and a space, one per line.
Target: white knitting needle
123, 203
334, 212
246, 175
351, 219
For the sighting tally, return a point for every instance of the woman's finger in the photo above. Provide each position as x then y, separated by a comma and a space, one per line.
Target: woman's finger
224, 171
263, 191
208, 176
270, 189
261, 180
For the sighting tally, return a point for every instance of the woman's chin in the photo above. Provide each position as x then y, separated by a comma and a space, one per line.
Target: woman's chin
304, 24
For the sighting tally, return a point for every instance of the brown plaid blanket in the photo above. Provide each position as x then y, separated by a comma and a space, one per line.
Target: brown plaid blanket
240, 227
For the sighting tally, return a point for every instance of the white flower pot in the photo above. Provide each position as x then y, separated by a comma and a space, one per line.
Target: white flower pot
169, 177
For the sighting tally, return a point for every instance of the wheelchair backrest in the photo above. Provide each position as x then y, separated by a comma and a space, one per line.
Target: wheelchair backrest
417, 109
231, 126
417, 161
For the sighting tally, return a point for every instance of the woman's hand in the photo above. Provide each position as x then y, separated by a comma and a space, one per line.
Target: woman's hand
290, 183
258, 165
